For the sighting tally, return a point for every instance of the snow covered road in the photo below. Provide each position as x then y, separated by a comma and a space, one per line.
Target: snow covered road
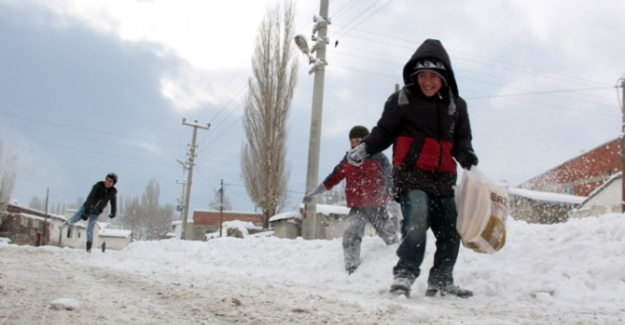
559, 274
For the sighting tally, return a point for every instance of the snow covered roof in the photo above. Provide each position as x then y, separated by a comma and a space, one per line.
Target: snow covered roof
547, 196
120, 233
179, 222
324, 209
286, 215
327, 209
111, 232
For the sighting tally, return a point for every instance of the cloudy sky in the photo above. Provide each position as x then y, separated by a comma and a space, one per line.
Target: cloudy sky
92, 87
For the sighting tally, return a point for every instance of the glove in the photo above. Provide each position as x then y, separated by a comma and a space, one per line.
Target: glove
111, 216
467, 158
85, 213
316, 191
356, 155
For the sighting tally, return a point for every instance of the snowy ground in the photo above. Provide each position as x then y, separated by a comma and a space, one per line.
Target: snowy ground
571, 273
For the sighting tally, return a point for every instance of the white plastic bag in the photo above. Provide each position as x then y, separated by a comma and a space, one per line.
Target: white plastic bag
482, 211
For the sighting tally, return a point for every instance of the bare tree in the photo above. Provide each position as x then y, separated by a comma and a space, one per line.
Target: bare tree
267, 107
145, 217
130, 215
37, 203
7, 180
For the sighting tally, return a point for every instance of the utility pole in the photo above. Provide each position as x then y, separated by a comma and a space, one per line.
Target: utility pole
622, 137
190, 164
221, 207
183, 183
321, 27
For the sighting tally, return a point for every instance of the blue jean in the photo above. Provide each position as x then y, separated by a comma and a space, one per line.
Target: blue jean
422, 211
93, 217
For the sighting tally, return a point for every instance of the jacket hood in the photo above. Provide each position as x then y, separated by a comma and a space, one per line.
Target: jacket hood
431, 49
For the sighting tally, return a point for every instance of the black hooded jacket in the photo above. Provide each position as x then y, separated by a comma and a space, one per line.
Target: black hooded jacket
426, 132
99, 197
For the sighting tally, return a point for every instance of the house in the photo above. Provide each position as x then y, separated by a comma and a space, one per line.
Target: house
579, 177
605, 199
209, 221
26, 226
330, 222
73, 236
287, 224
114, 238
541, 207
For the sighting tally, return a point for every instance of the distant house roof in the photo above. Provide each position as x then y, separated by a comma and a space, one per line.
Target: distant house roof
212, 217
581, 154
31, 213
582, 173
324, 209
547, 196
108, 232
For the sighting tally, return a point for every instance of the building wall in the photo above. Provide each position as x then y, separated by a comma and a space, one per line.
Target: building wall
533, 211
287, 228
606, 201
75, 236
583, 174
115, 243
214, 217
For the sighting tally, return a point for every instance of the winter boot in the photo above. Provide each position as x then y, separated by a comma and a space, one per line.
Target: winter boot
446, 289
401, 286
89, 244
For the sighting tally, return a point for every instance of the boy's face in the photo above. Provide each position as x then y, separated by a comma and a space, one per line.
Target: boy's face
354, 142
429, 82
108, 182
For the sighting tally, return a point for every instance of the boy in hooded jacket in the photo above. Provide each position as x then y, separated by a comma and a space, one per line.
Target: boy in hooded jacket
101, 194
428, 125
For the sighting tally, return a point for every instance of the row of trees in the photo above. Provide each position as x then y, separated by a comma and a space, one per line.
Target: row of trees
144, 215
7, 179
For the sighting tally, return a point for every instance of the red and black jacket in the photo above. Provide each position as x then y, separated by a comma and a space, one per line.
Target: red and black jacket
426, 132
367, 185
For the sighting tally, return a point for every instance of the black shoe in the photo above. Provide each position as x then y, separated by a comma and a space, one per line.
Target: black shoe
89, 244
448, 289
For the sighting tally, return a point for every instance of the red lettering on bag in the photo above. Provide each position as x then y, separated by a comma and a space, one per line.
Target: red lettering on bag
497, 198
